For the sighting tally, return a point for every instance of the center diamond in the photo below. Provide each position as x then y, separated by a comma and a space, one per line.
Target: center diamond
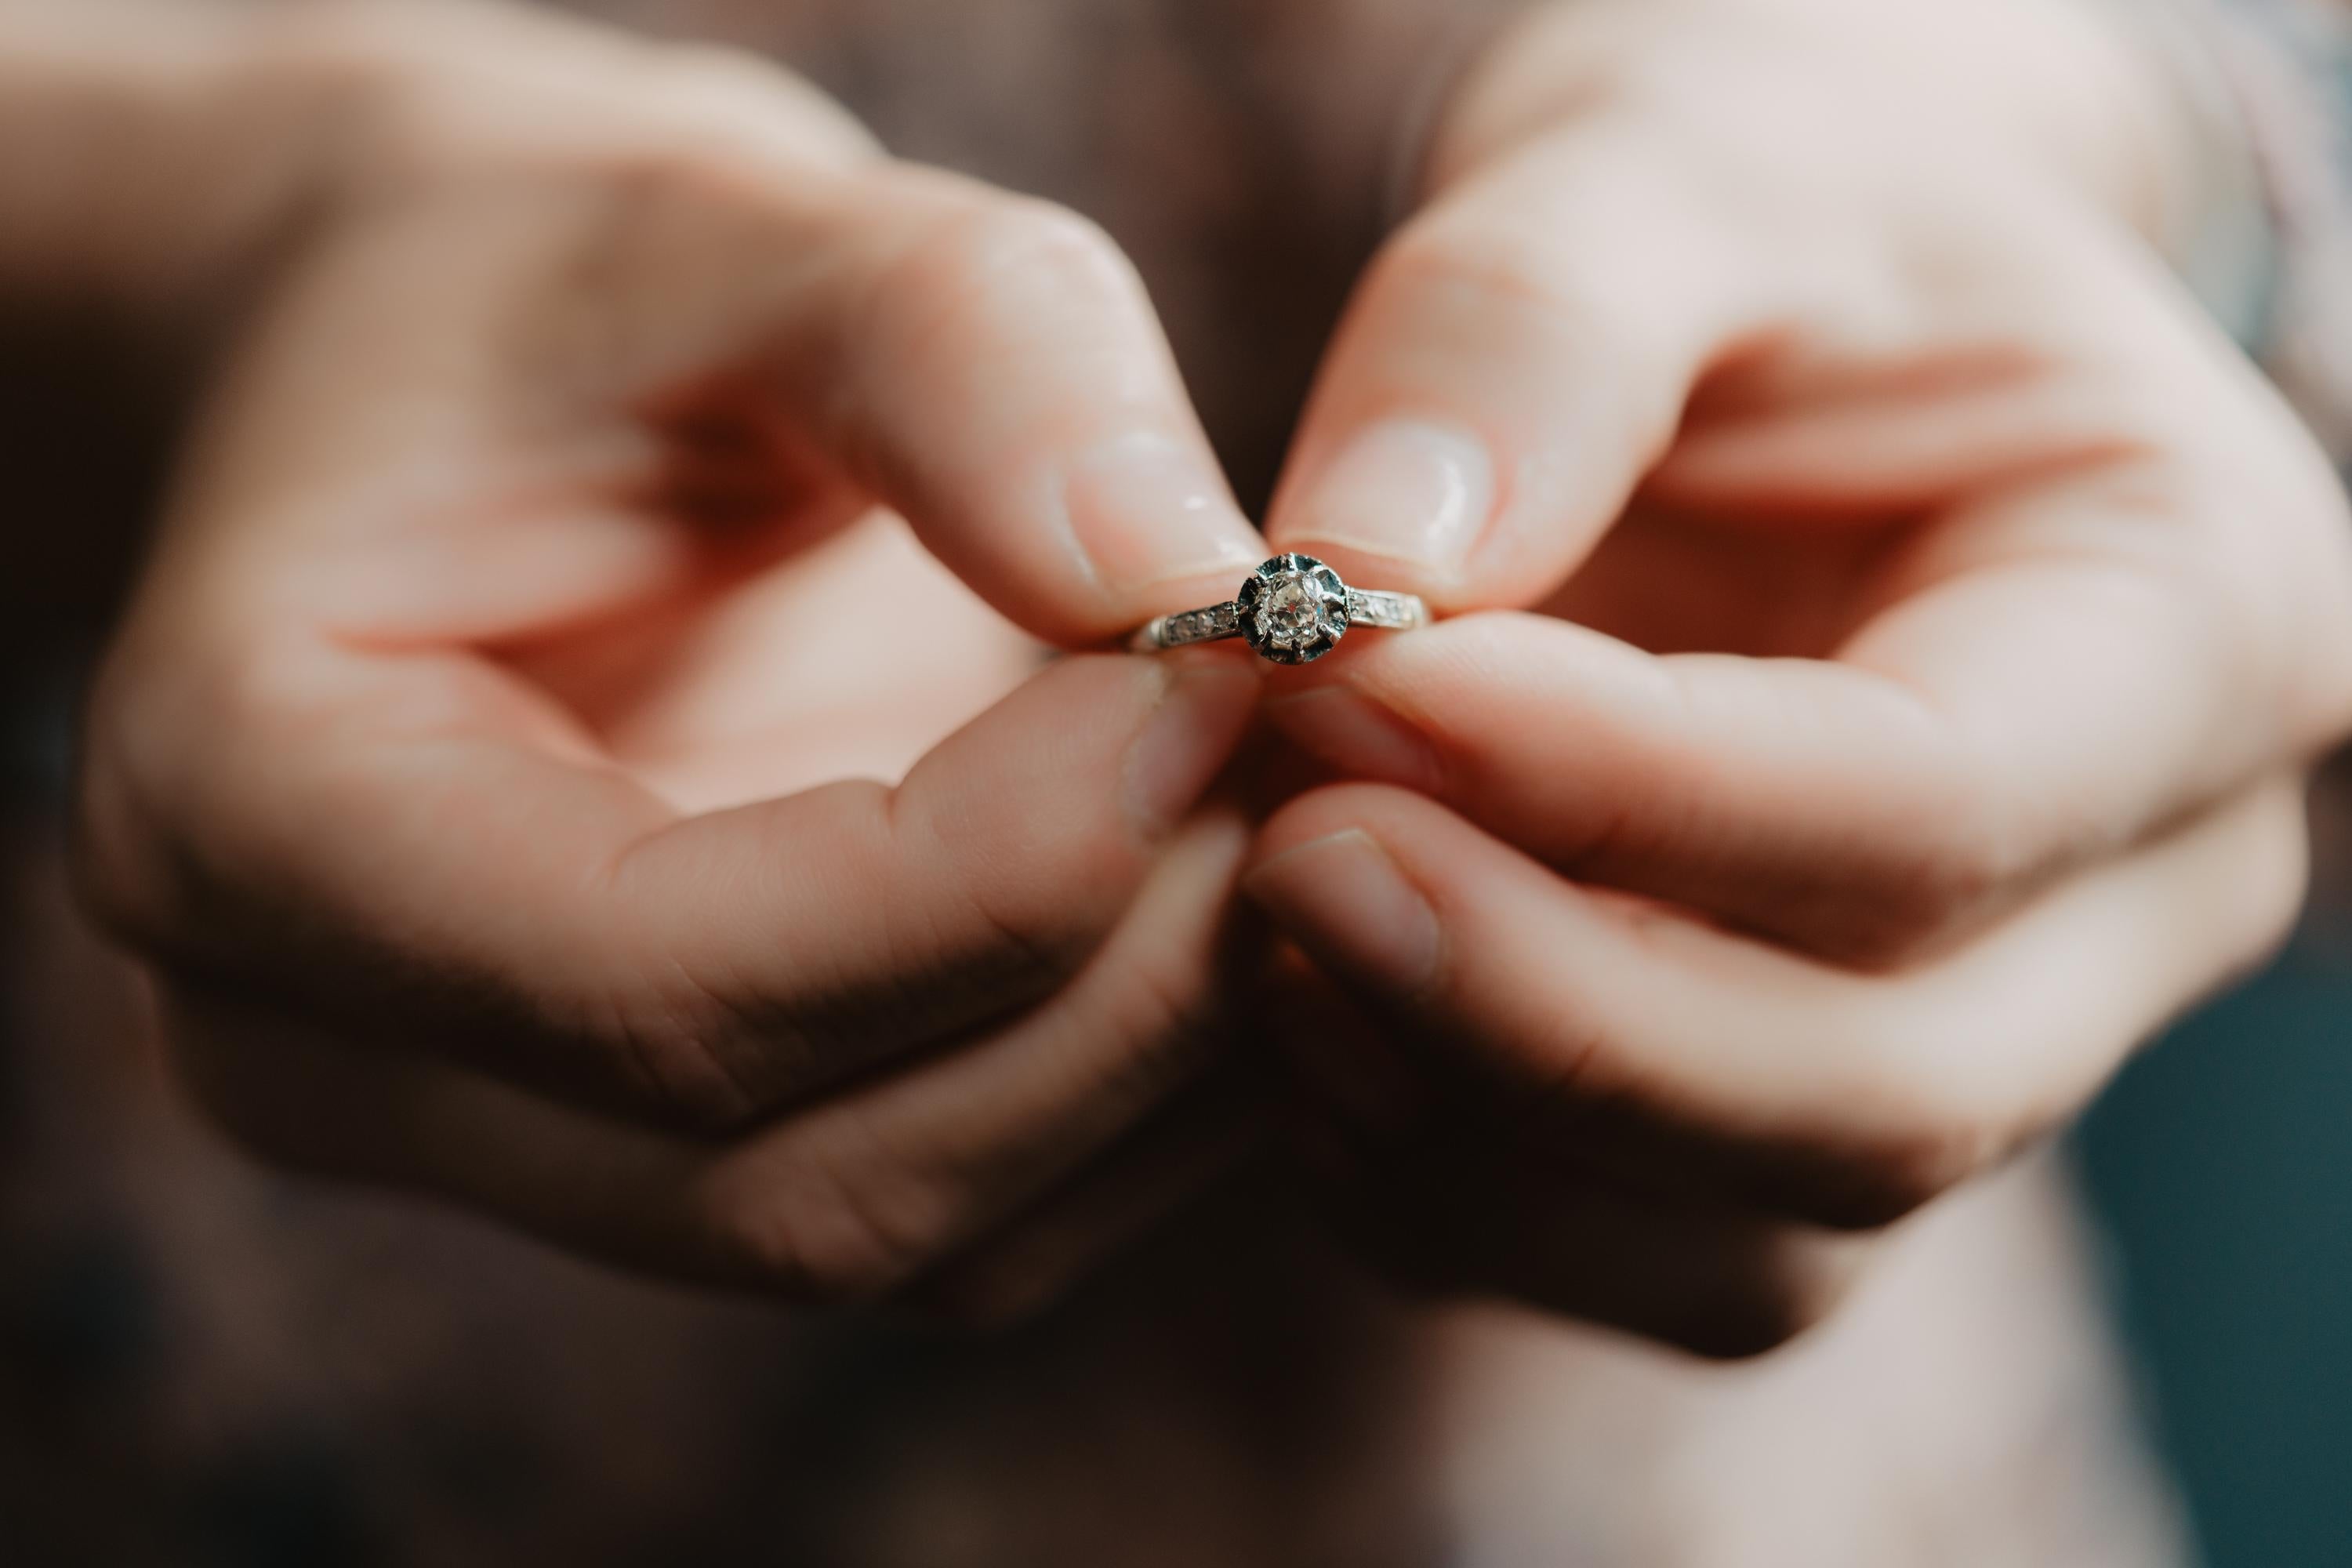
1290, 612
1293, 609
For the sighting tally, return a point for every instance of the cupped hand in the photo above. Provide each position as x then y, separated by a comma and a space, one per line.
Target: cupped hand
1893, 624
549, 544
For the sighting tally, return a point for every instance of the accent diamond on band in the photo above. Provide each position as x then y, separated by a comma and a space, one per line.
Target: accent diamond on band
1292, 610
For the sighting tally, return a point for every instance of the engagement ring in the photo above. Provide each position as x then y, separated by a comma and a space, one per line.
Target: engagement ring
1291, 610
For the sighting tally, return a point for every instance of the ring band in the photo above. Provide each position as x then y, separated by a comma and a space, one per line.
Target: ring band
1293, 610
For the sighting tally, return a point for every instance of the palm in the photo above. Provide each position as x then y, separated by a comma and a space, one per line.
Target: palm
769, 685
1793, 507
611, 550
1673, 580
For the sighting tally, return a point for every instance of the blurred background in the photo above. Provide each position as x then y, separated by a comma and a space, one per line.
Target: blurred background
202, 1363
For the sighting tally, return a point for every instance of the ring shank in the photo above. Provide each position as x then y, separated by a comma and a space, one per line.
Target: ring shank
1386, 612
1211, 623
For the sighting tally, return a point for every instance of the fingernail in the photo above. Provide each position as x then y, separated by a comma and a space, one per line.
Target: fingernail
1204, 708
1405, 489
1342, 895
1148, 509
1359, 737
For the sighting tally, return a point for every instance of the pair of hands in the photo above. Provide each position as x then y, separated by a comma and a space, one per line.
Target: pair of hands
1888, 626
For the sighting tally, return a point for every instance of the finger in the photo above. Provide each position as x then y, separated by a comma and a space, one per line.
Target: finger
414, 841
1457, 1221
992, 368
742, 347
1714, 1284
2025, 705
1453, 1188
935, 1157
1345, 1073
1105, 1210
843, 1201
315, 1102
1844, 1098
1518, 356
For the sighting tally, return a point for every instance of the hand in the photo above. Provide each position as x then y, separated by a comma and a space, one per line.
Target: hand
534, 559
1898, 626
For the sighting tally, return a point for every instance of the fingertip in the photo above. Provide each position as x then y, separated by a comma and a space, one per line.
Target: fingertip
1400, 503
1156, 524
1332, 882
1514, 361
1383, 811
1076, 610
1352, 731
992, 368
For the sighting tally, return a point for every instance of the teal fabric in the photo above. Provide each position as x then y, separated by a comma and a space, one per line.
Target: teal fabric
2221, 1164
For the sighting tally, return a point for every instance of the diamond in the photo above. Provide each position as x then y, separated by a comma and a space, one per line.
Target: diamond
1294, 608
1290, 613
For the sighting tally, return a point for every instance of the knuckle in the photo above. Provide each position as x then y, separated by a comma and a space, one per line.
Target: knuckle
699, 71
1960, 873
819, 1236
1741, 1328
676, 1044
1787, 1295
1521, 265
1930, 886
1941, 888
716, 105
649, 191
158, 734
1028, 949
982, 261
1050, 240
1911, 1121
1914, 1160
1523, 285
486, 82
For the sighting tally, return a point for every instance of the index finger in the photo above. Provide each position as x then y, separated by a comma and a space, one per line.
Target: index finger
991, 367
792, 340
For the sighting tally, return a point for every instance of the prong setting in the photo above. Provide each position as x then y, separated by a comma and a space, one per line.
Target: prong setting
1294, 609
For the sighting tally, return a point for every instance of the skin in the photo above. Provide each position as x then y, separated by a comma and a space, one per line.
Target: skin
443, 769
1866, 712
1892, 628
